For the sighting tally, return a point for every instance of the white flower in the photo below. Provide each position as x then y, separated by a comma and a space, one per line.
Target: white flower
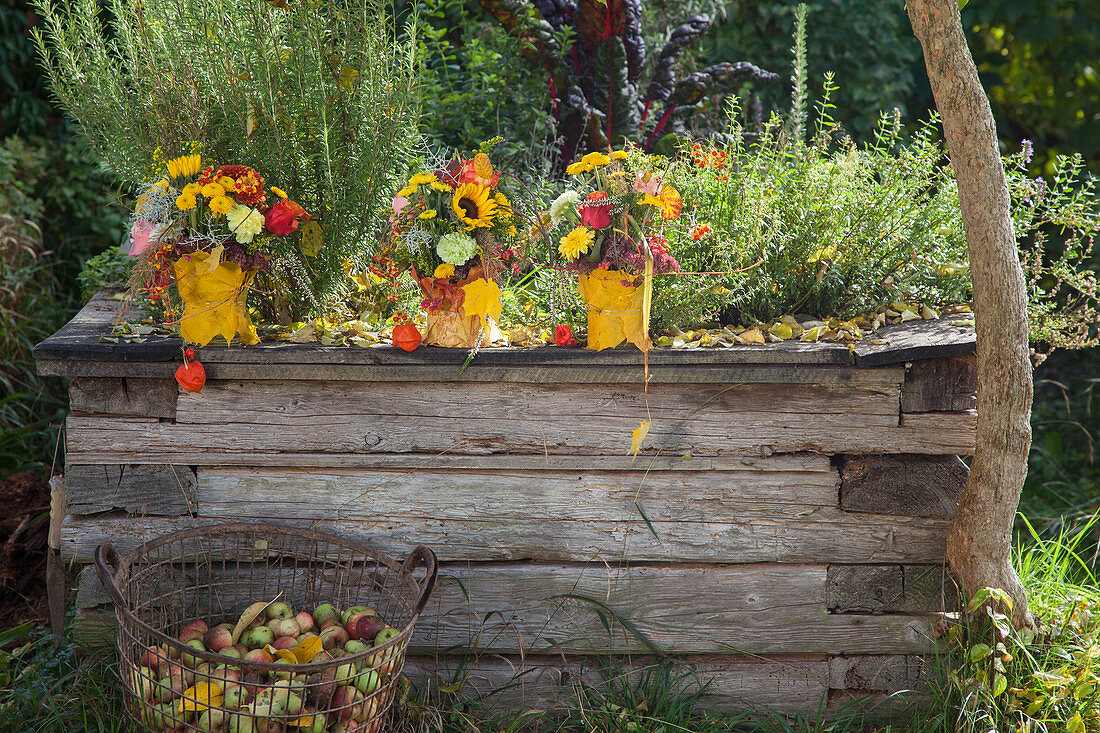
245, 222
563, 203
456, 248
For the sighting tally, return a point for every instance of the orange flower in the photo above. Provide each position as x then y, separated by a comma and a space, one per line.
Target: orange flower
479, 171
248, 184
668, 201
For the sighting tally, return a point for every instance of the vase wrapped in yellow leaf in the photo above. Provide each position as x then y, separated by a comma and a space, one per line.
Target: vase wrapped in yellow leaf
615, 309
214, 294
466, 311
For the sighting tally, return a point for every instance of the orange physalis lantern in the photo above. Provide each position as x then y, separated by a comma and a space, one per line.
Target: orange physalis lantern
191, 375
406, 336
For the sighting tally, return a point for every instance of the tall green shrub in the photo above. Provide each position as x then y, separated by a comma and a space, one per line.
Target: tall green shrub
319, 97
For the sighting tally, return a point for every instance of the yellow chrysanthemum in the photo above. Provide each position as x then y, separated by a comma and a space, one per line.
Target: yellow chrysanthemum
227, 183
211, 190
191, 189
221, 204
575, 169
576, 243
440, 186
504, 206
279, 192
472, 205
444, 271
618, 155
162, 184
407, 191
185, 202
596, 159
184, 166
427, 214
421, 178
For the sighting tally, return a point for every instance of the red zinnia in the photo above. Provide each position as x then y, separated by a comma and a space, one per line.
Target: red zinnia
595, 210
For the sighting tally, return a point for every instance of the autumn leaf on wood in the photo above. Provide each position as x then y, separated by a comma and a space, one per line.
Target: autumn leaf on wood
638, 436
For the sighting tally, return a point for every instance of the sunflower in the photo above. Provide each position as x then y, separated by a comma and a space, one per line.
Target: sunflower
472, 205
184, 166
576, 243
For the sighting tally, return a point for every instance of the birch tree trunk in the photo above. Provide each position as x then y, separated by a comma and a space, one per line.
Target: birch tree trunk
980, 541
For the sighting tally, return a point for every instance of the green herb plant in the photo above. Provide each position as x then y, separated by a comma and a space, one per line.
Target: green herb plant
321, 98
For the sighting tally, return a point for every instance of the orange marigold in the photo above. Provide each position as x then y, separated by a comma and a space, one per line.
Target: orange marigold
249, 184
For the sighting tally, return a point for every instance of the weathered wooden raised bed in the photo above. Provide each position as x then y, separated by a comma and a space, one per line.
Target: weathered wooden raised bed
787, 539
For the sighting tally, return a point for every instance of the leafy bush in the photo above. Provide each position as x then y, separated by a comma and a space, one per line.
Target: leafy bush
318, 97
478, 85
829, 227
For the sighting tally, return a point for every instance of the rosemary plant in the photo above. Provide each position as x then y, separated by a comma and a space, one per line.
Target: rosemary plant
319, 97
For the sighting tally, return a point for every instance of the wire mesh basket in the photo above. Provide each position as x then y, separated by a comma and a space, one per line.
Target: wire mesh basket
183, 596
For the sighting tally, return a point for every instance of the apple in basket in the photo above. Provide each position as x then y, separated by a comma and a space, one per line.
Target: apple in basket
153, 657
218, 638
258, 637
285, 627
212, 720
346, 703
305, 621
323, 613
240, 723
334, 636
284, 642
278, 610
368, 627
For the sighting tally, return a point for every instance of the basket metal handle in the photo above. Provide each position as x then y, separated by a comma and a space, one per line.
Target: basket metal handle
106, 560
423, 555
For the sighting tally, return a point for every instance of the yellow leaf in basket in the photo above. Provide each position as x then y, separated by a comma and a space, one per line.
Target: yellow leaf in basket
638, 436
249, 616
200, 697
301, 654
306, 721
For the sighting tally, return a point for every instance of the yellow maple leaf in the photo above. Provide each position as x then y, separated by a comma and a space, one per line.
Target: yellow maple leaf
637, 437
482, 299
616, 312
214, 300
301, 654
200, 697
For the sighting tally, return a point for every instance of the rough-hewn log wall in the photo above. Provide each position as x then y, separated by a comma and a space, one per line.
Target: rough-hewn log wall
782, 529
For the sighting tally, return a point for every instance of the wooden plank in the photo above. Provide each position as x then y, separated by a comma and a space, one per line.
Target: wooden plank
520, 608
81, 338
95, 439
138, 489
885, 673
124, 396
294, 403
913, 589
803, 462
940, 433
913, 485
275, 352
916, 340
556, 373
941, 385
519, 495
786, 684
788, 535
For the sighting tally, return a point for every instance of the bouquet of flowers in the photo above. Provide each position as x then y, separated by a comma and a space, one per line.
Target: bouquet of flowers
443, 230
606, 225
208, 231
